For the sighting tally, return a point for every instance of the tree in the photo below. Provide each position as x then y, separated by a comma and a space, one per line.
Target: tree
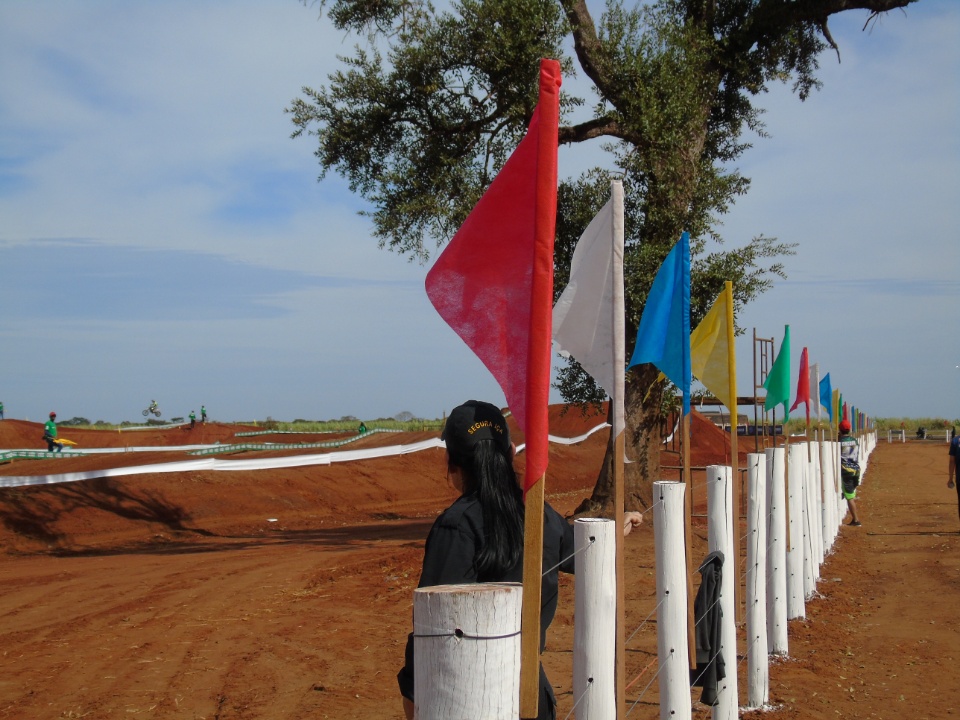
421, 131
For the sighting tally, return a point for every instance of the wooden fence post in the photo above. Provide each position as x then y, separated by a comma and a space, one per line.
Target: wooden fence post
467, 651
595, 627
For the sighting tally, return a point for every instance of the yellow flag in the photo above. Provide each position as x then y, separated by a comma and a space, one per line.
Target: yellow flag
712, 358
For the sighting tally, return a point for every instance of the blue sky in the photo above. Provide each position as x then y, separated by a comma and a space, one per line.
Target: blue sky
161, 236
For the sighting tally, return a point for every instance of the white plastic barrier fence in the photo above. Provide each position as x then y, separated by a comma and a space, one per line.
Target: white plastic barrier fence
246, 465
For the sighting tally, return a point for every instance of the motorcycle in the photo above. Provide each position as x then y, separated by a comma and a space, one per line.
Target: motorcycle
154, 408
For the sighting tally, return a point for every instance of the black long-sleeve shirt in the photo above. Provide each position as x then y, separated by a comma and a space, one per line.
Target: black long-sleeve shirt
448, 559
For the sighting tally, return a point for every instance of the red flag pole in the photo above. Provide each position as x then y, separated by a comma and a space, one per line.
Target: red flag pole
538, 379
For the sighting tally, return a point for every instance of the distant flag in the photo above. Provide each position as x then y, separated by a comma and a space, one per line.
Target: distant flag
844, 415
835, 404
588, 316
803, 385
712, 356
826, 395
815, 389
777, 383
663, 337
493, 283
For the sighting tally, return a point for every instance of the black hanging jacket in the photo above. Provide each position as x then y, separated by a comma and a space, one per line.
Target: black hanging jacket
706, 610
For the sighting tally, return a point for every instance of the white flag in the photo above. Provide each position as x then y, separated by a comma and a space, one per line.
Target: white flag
588, 320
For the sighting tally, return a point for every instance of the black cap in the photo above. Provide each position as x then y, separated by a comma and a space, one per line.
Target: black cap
472, 422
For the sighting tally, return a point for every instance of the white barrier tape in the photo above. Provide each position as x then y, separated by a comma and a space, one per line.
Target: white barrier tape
165, 426
258, 464
182, 466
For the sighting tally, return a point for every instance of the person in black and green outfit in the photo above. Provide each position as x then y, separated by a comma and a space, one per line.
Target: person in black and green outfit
849, 469
50, 434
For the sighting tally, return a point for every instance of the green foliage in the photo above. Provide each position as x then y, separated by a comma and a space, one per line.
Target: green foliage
421, 132
350, 426
74, 422
910, 425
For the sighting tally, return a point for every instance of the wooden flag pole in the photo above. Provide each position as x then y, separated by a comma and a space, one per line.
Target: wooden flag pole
786, 473
618, 359
621, 677
688, 534
530, 616
734, 445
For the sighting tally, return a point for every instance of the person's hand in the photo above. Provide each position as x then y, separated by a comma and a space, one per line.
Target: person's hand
950, 483
631, 520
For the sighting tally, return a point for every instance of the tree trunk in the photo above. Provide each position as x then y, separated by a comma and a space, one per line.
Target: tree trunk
642, 443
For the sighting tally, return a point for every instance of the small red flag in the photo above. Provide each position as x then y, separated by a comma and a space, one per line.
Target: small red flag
493, 283
803, 385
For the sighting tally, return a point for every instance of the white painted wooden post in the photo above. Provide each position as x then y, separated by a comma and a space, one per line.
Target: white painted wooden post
776, 551
826, 484
467, 651
672, 656
758, 661
833, 486
720, 537
595, 626
809, 542
797, 459
841, 503
816, 507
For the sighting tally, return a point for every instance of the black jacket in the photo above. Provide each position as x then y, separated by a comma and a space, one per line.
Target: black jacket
448, 559
706, 610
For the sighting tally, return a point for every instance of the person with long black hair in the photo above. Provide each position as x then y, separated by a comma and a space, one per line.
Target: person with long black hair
480, 537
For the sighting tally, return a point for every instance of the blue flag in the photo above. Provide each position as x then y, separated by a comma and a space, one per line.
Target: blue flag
826, 395
663, 337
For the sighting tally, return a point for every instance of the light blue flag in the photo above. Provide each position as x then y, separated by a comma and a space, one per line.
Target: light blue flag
826, 395
663, 337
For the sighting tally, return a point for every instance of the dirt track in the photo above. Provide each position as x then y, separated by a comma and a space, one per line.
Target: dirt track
175, 596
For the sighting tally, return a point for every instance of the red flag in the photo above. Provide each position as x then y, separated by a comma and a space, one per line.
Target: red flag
493, 284
803, 385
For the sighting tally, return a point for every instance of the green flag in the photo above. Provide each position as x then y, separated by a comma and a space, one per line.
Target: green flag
777, 383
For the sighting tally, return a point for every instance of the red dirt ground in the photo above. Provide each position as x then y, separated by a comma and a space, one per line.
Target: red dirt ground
288, 593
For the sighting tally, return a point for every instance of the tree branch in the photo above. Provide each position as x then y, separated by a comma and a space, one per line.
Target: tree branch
598, 127
771, 17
